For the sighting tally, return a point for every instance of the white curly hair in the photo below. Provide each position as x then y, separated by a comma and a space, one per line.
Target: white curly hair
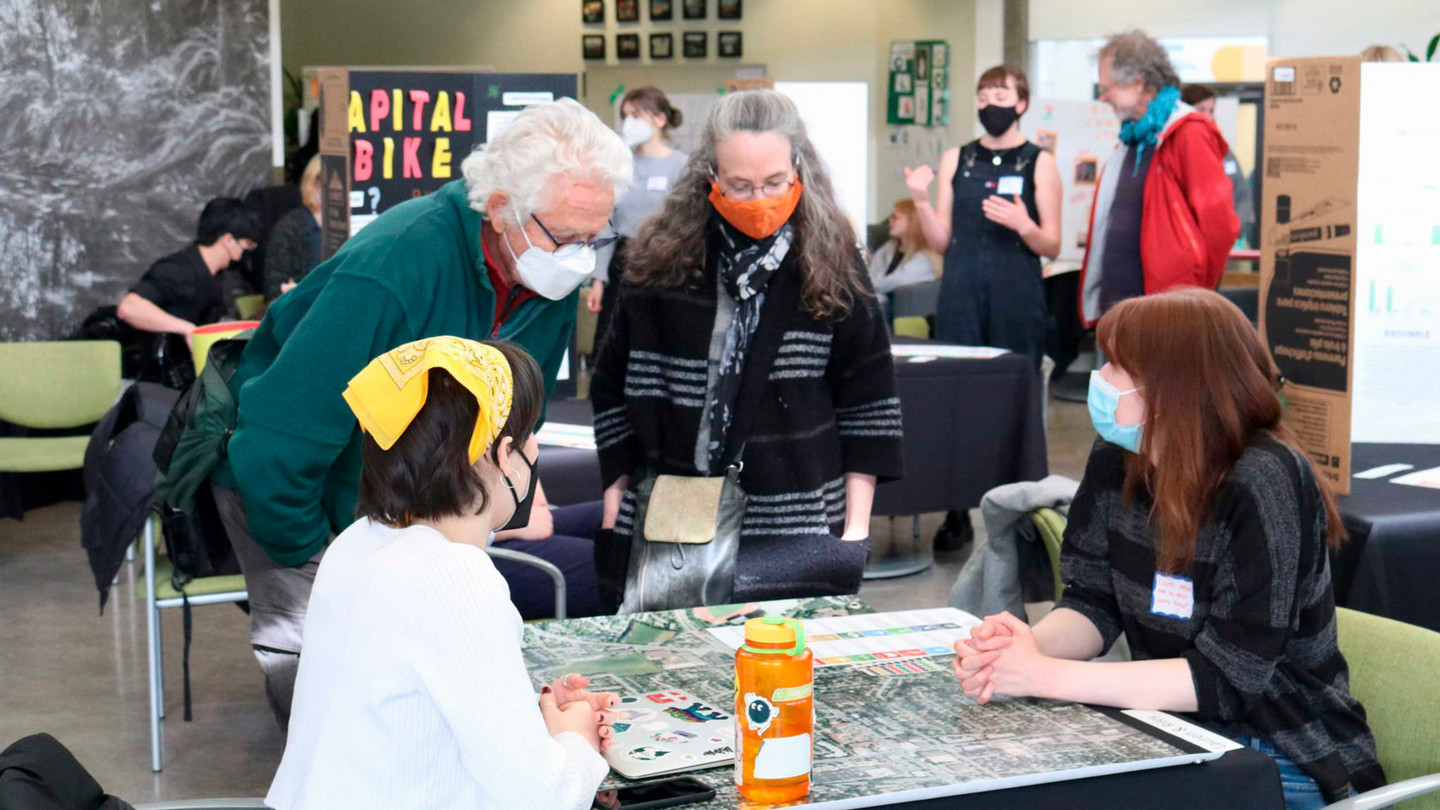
557, 139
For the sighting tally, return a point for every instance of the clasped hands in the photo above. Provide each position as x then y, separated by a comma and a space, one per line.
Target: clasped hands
1001, 657
567, 706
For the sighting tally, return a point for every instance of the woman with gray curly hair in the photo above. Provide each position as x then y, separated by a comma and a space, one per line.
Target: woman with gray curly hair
498, 254
748, 341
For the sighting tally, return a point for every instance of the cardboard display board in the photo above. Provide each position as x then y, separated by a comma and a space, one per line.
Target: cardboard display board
1307, 236
404, 132
919, 84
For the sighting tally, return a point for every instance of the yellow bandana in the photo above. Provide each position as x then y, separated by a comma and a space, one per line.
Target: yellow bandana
388, 392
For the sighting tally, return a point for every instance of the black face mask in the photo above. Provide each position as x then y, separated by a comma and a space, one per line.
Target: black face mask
997, 119
521, 518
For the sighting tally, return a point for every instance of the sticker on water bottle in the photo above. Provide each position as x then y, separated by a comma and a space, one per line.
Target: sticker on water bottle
759, 713
793, 693
783, 757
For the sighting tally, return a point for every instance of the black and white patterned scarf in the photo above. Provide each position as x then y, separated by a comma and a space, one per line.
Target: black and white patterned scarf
746, 266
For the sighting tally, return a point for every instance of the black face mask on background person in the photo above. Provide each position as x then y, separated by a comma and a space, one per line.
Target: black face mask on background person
997, 119
521, 518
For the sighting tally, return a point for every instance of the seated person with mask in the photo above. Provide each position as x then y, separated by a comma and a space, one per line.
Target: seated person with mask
180, 292
497, 255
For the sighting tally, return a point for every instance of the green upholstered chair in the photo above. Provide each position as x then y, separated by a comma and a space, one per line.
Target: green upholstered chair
250, 307
55, 385
1051, 526
1393, 667
912, 326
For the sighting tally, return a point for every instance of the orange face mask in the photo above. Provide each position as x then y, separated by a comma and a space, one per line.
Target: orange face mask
757, 219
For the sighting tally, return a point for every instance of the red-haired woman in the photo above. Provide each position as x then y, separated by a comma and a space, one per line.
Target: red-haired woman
1201, 533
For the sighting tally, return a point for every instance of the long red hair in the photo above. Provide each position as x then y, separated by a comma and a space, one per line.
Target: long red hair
1210, 390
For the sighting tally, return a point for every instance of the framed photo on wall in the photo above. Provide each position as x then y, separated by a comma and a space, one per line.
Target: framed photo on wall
728, 10
627, 10
627, 46
593, 46
592, 11
729, 44
693, 9
661, 10
662, 46
696, 44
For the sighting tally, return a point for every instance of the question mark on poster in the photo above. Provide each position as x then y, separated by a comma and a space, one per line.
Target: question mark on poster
374, 199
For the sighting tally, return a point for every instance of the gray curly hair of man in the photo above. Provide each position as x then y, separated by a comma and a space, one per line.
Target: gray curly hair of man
671, 248
1136, 55
557, 139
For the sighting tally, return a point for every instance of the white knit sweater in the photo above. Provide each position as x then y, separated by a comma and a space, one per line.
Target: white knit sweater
412, 692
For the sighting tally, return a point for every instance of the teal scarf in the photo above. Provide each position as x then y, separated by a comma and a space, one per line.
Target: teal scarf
1144, 131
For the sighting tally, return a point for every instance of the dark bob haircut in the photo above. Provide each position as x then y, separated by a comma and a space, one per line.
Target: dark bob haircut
224, 215
427, 474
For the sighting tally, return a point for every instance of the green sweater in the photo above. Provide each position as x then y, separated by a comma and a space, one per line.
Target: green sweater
415, 272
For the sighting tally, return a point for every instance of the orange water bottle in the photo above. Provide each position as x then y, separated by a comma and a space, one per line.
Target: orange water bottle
774, 711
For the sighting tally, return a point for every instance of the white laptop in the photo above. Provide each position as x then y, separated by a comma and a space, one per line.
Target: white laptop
662, 733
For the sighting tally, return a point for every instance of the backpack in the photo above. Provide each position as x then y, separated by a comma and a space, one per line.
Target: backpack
191, 445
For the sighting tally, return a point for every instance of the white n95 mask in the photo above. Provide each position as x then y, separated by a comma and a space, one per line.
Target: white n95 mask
549, 275
635, 131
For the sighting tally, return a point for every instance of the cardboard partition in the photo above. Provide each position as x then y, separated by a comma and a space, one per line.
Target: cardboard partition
1307, 264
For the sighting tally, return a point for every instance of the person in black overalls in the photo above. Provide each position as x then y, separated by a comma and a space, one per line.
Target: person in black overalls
998, 212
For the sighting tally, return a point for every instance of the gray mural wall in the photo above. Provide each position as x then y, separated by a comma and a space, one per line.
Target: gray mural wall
118, 120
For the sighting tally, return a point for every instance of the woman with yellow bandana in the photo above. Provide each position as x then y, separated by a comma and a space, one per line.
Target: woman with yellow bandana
412, 691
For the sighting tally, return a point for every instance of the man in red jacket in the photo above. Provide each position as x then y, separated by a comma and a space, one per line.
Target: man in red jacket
1162, 215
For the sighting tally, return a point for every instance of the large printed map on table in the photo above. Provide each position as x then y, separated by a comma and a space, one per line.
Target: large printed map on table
882, 735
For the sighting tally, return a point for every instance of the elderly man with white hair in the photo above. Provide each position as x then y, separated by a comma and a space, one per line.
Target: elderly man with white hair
498, 254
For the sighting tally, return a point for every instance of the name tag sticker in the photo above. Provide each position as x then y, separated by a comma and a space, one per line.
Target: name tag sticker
657, 183
1173, 596
1232, 167
1013, 184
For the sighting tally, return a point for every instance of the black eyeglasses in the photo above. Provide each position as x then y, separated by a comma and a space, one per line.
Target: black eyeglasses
563, 249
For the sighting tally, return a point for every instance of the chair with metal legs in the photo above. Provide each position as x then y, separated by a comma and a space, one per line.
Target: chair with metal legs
159, 592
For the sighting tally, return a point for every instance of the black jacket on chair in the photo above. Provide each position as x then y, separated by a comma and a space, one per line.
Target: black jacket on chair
120, 477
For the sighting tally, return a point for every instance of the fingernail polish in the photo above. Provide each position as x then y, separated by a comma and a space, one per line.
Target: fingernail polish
545, 690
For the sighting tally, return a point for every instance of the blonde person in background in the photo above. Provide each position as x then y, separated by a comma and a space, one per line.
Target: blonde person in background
412, 691
904, 259
648, 121
293, 247
1381, 53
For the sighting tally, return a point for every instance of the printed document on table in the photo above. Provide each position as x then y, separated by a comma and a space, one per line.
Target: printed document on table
875, 637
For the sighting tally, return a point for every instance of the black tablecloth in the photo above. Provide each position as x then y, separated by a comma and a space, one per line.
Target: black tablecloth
1239, 780
970, 425
1391, 565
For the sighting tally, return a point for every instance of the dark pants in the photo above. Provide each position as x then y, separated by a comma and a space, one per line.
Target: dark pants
572, 550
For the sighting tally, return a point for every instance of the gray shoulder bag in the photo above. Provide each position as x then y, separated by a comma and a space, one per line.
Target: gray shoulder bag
687, 535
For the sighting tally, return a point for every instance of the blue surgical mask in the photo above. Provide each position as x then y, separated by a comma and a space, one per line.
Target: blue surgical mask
1104, 399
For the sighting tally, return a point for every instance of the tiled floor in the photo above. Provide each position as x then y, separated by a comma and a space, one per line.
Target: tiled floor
80, 675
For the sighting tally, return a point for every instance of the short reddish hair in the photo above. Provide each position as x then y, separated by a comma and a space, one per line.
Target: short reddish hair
996, 76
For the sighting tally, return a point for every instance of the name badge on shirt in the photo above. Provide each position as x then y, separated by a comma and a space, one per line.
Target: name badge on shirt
1173, 596
657, 183
1013, 184
1232, 167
